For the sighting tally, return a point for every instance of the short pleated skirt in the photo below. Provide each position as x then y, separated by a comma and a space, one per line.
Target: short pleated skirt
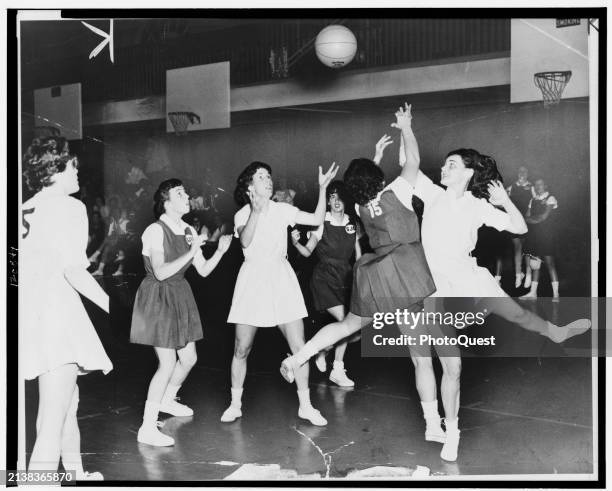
541, 239
165, 314
395, 277
267, 293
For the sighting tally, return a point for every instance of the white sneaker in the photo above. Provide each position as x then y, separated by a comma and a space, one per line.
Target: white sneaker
288, 368
451, 446
89, 476
175, 408
232, 413
338, 376
312, 415
527, 283
320, 362
559, 334
556, 298
434, 431
518, 280
152, 436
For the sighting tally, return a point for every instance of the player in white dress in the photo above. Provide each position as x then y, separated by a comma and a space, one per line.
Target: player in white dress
60, 341
267, 292
452, 216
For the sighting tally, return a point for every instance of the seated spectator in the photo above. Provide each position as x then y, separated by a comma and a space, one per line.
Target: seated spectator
109, 250
196, 200
96, 231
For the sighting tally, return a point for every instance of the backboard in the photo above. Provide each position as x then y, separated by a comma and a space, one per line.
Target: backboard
60, 107
203, 90
543, 45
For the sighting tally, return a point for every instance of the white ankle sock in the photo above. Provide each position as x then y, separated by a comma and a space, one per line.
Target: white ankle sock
555, 288
236, 398
151, 412
306, 353
304, 398
452, 425
534, 288
338, 365
170, 393
430, 409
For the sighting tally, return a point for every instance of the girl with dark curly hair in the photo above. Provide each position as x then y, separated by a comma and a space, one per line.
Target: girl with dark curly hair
335, 242
267, 292
60, 341
165, 314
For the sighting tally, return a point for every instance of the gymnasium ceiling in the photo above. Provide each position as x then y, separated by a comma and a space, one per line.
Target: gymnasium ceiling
46, 40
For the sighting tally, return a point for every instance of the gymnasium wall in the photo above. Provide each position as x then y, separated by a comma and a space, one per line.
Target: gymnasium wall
553, 143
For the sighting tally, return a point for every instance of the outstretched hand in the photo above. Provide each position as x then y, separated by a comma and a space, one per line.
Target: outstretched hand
498, 196
325, 179
381, 144
403, 117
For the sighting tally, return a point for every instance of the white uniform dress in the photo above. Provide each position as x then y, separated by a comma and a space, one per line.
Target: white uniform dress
449, 234
267, 292
55, 327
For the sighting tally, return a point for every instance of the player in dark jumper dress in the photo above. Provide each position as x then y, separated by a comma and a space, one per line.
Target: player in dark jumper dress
334, 243
165, 314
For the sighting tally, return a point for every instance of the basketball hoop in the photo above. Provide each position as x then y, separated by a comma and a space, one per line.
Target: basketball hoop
552, 85
182, 119
43, 131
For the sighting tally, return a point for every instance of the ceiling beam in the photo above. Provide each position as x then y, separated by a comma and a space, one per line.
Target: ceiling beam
351, 86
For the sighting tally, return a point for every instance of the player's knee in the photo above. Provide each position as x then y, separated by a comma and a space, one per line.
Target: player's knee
241, 351
188, 360
166, 367
452, 368
422, 362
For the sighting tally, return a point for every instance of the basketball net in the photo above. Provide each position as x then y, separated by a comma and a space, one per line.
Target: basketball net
552, 85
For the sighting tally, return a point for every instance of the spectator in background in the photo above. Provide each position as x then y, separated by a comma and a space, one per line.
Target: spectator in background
96, 231
542, 237
520, 193
196, 200
109, 250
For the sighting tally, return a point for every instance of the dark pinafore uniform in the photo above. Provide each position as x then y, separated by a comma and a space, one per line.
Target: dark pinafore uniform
396, 275
521, 195
331, 278
542, 236
165, 313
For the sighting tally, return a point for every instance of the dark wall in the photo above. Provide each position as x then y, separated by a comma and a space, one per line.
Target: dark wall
552, 142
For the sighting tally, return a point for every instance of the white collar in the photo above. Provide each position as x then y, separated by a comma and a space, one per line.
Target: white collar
330, 218
178, 229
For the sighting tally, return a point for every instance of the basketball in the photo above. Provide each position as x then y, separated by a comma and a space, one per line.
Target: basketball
336, 46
